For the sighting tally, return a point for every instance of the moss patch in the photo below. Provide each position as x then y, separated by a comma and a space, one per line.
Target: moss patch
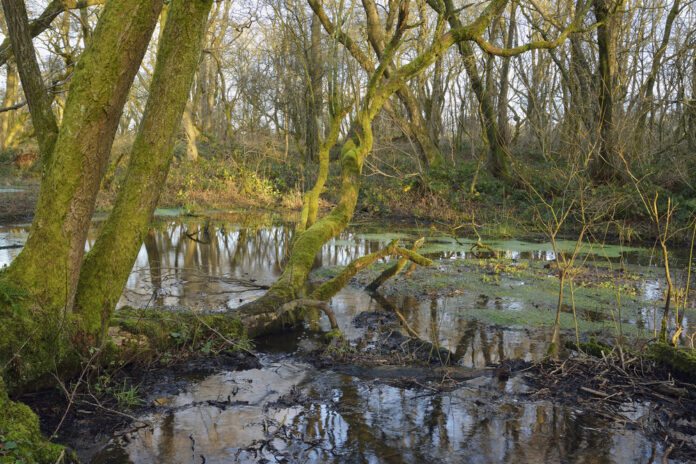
20, 438
681, 361
162, 330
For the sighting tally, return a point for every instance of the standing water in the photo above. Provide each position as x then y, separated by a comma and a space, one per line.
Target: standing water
286, 410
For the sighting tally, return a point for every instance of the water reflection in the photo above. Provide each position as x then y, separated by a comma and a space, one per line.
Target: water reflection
218, 263
340, 418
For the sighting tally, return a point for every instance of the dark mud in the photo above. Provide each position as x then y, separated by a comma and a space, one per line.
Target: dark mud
275, 408
634, 392
96, 415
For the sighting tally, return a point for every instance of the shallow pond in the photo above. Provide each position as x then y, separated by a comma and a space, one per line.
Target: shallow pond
288, 411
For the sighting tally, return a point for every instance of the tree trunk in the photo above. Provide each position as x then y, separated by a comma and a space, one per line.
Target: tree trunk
503, 126
259, 313
49, 265
9, 99
604, 166
497, 149
690, 107
314, 92
647, 90
32, 83
310, 207
191, 135
417, 127
108, 264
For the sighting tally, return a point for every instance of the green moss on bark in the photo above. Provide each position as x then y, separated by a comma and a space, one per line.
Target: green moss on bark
108, 264
33, 340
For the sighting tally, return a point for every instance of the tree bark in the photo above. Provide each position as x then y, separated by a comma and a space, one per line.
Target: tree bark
604, 165
9, 99
314, 91
192, 133
108, 264
53, 253
310, 206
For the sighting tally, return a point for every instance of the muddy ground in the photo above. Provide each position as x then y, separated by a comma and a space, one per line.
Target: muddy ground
99, 427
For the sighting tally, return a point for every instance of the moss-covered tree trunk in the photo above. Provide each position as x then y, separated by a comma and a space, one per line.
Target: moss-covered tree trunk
50, 262
259, 313
33, 336
108, 264
310, 206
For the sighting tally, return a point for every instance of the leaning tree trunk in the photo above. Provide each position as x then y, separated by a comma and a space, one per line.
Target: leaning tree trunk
497, 148
34, 337
108, 264
259, 313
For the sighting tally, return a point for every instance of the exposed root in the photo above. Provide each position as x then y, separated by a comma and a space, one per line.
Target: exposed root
303, 302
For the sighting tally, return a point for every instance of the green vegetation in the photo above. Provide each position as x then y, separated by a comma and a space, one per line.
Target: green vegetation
20, 438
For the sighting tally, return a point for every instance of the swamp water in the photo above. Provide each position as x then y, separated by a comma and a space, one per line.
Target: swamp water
288, 411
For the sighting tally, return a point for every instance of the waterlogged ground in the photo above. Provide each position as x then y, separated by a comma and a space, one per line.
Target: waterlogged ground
482, 309
289, 412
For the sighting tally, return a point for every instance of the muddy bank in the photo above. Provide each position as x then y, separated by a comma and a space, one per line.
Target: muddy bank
632, 391
370, 399
110, 404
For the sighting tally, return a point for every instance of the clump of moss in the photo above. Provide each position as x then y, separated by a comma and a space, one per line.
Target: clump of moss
334, 333
30, 345
20, 437
163, 330
592, 348
681, 361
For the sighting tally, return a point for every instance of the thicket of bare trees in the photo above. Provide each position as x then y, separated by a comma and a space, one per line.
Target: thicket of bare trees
620, 90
